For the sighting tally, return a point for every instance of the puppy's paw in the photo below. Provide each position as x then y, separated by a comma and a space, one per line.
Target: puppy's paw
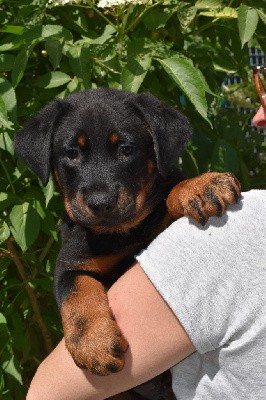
98, 346
204, 196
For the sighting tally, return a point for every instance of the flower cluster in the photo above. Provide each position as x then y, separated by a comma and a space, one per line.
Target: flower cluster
55, 3
101, 4
113, 3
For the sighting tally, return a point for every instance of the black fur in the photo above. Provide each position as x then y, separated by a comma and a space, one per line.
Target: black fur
156, 131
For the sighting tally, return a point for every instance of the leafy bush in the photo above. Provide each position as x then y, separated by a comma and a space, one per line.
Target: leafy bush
181, 52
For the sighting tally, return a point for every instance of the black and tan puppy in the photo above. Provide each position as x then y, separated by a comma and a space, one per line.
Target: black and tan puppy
112, 155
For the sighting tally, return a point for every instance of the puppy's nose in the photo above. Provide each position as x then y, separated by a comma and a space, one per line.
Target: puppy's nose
101, 203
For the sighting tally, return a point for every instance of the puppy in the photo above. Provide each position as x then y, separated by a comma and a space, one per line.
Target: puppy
112, 155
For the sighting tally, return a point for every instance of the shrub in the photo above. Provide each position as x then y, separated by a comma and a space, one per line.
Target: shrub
181, 52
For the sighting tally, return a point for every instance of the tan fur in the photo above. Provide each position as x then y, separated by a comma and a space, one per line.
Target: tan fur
86, 315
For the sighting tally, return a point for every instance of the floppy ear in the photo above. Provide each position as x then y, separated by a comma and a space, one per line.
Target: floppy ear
169, 128
33, 143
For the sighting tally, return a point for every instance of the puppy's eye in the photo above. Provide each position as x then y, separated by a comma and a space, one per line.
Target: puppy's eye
126, 149
72, 153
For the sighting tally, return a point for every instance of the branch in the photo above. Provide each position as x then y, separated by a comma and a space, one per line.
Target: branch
32, 297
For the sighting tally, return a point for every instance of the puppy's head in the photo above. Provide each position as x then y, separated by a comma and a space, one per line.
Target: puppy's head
107, 150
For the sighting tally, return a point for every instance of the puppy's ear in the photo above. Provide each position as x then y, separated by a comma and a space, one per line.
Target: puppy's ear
169, 128
33, 143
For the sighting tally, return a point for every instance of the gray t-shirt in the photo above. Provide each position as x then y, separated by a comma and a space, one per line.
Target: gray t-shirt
214, 280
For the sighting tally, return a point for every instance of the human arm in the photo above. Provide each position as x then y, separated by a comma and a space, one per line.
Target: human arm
157, 341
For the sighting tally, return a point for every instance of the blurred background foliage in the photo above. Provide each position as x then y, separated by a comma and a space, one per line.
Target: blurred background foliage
181, 51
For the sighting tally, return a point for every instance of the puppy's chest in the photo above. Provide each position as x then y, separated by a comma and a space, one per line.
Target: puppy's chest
112, 255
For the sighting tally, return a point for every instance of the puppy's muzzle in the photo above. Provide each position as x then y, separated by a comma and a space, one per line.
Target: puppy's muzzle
101, 203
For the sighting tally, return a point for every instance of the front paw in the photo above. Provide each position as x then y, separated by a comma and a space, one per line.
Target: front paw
204, 196
98, 345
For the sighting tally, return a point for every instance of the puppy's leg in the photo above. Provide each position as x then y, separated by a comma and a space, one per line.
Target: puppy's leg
91, 334
204, 196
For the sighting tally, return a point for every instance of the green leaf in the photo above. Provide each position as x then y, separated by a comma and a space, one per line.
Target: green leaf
6, 62
44, 32
49, 226
20, 65
224, 13
73, 86
7, 199
3, 115
247, 22
55, 31
156, 18
134, 72
6, 140
4, 331
4, 233
49, 191
224, 61
9, 97
81, 63
186, 14
107, 34
262, 15
12, 368
189, 80
14, 29
224, 157
25, 225
52, 80
202, 4
54, 50
32, 37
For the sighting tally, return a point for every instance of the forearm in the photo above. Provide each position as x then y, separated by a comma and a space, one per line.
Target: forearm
156, 340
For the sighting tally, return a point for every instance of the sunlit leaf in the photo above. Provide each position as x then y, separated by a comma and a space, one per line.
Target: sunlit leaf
248, 19
11, 367
25, 225
49, 191
189, 80
202, 4
9, 97
108, 33
224, 13
14, 29
53, 79
4, 120
134, 72
4, 233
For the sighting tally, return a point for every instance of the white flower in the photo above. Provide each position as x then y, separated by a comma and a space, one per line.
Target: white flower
55, 3
101, 4
112, 3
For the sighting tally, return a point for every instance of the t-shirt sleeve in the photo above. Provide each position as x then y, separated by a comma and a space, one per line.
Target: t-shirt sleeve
206, 274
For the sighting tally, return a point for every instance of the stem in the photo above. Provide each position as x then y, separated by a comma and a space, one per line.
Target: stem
125, 18
46, 249
138, 18
100, 14
7, 175
94, 9
206, 26
98, 61
32, 297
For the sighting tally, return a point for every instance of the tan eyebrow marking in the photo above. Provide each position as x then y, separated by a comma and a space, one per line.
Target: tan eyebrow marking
113, 137
82, 140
